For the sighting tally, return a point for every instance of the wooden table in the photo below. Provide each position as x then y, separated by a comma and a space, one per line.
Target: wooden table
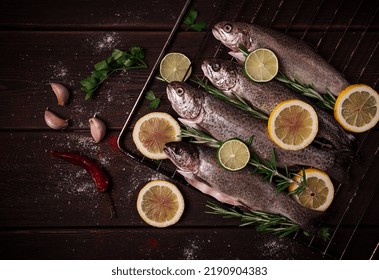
50, 209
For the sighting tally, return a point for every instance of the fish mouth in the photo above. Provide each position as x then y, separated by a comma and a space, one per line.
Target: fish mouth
171, 156
170, 93
205, 69
218, 34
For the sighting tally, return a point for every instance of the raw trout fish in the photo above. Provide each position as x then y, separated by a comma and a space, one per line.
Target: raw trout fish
228, 76
224, 121
199, 166
297, 60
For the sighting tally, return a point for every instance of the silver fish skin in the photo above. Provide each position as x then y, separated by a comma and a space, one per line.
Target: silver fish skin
224, 121
297, 60
199, 166
228, 76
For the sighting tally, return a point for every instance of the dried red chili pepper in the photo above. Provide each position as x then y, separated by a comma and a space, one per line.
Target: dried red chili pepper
98, 175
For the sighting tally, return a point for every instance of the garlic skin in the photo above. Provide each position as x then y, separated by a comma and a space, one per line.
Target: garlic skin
54, 121
98, 128
61, 92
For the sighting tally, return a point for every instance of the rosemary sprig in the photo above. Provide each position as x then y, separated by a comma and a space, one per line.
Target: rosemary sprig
200, 137
236, 101
266, 168
264, 222
326, 100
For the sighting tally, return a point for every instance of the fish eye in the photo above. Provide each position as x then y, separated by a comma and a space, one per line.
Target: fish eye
227, 28
180, 91
178, 151
215, 66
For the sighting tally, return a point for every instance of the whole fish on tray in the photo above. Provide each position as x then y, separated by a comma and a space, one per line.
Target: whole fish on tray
297, 60
229, 77
224, 121
199, 166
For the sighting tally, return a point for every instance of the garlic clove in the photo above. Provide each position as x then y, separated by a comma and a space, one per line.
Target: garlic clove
98, 128
54, 121
61, 92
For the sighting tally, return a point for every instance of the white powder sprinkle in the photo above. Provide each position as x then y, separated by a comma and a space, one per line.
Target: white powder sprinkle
59, 70
189, 252
108, 42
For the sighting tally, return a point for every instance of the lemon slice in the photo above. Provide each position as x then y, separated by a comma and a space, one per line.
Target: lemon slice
357, 108
319, 192
160, 203
233, 154
261, 65
293, 124
174, 66
153, 131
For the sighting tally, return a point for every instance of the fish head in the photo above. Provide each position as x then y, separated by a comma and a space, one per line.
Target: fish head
184, 155
222, 73
233, 34
186, 100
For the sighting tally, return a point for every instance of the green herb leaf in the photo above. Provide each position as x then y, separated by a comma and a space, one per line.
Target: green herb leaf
190, 21
190, 17
118, 60
155, 101
199, 26
101, 65
150, 95
154, 104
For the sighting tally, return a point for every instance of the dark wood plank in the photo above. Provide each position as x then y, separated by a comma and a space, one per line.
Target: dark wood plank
90, 15
149, 243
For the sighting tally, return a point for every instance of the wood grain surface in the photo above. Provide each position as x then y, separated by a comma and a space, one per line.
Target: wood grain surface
50, 209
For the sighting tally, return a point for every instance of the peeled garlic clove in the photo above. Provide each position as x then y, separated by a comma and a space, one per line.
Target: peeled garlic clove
97, 128
54, 121
61, 93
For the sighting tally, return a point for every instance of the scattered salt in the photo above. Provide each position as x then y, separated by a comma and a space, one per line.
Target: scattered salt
108, 42
189, 253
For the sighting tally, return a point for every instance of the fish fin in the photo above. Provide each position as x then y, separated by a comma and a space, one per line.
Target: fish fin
190, 123
239, 56
205, 188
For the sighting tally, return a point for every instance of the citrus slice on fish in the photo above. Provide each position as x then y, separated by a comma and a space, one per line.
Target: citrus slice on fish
261, 65
319, 191
357, 108
152, 131
174, 66
160, 203
233, 154
293, 125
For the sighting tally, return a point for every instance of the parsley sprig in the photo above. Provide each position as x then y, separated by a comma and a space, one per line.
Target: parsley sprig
119, 60
190, 21
154, 101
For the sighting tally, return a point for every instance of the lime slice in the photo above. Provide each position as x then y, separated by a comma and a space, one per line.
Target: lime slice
319, 191
160, 203
152, 131
233, 154
174, 66
357, 108
293, 125
261, 65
